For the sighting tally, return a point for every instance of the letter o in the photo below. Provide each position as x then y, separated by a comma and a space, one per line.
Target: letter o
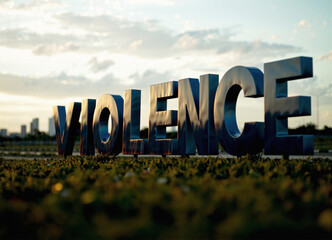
108, 142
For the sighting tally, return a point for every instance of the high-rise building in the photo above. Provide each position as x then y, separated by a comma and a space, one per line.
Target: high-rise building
34, 126
51, 128
3, 132
23, 131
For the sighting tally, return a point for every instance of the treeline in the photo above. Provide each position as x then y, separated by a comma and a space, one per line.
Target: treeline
309, 128
37, 136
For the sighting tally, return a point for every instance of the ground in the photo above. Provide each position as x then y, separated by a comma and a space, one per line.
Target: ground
125, 198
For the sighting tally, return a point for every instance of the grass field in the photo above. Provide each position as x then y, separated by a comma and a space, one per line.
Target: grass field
123, 198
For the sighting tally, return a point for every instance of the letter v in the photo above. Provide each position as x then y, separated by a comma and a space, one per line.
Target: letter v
66, 127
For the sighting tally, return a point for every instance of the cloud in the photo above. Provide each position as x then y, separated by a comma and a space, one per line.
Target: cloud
59, 86
30, 5
150, 77
147, 39
314, 87
71, 86
152, 40
40, 44
304, 24
55, 48
318, 90
324, 57
5, 3
100, 66
151, 2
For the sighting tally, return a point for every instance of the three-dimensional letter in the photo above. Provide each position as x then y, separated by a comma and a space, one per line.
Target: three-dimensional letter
108, 142
160, 118
66, 126
197, 97
86, 144
278, 107
231, 139
132, 144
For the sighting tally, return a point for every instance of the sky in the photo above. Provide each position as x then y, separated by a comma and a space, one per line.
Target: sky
56, 52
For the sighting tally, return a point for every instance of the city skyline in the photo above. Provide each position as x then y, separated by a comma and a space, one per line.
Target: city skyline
34, 126
56, 52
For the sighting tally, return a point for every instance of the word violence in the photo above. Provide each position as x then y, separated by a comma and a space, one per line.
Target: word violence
206, 116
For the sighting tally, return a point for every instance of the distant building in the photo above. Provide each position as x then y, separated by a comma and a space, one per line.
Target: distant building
3, 132
14, 135
34, 126
51, 128
23, 131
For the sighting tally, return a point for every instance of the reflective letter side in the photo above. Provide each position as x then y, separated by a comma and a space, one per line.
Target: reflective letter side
193, 128
66, 126
86, 143
132, 144
231, 139
278, 107
108, 142
159, 118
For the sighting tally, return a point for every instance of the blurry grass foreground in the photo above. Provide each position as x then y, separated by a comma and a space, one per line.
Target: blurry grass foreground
124, 198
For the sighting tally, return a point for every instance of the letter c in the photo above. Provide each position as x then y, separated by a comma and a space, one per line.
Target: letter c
231, 139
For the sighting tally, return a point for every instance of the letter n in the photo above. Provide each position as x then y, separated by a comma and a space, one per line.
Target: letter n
193, 128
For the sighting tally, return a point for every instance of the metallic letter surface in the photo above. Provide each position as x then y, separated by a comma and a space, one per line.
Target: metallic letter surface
108, 142
132, 144
86, 144
231, 139
278, 107
197, 97
66, 126
159, 118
